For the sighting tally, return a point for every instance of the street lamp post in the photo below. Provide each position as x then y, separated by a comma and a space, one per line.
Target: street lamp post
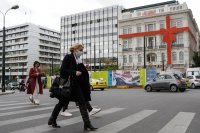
3, 46
10, 74
144, 52
122, 56
52, 73
163, 65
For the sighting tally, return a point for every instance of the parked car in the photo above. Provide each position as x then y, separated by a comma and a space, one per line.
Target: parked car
98, 84
172, 82
194, 81
12, 86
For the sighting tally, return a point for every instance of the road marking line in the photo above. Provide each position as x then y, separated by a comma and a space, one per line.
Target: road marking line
63, 123
11, 104
30, 105
8, 102
179, 123
28, 118
125, 122
25, 111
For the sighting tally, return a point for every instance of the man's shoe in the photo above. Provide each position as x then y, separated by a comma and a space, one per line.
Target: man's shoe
65, 113
94, 111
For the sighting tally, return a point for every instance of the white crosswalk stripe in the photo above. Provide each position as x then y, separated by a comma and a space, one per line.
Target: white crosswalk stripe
28, 110
24, 106
24, 111
11, 104
2, 102
45, 127
29, 118
179, 123
125, 122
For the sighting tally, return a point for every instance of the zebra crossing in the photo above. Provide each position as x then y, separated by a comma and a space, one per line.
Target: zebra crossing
178, 124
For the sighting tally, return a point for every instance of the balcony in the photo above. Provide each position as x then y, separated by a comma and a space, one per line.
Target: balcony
139, 48
127, 49
151, 47
162, 46
177, 45
128, 64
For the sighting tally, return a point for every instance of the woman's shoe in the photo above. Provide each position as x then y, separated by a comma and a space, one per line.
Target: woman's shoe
88, 125
31, 99
36, 102
53, 123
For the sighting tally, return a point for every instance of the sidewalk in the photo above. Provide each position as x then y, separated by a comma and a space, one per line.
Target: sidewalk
6, 92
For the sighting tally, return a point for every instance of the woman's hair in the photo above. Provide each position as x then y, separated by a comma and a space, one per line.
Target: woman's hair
75, 46
36, 62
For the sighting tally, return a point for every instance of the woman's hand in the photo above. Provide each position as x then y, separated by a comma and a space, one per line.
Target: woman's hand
78, 73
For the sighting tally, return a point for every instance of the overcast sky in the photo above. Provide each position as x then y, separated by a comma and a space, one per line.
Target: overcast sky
47, 13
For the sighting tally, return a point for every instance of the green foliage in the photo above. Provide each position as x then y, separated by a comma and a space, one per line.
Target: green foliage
196, 59
109, 64
56, 69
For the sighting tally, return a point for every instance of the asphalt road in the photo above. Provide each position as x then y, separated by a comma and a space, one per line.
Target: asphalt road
123, 111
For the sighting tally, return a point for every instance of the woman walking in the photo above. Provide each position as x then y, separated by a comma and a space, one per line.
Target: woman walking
35, 83
69, 68
83, 80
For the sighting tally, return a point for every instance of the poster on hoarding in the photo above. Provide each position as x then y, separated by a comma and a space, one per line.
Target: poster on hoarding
125, 78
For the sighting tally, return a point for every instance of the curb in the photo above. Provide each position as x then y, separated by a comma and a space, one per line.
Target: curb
7, 92
125, 87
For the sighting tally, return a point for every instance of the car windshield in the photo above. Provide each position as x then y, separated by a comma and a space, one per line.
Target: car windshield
14, 83
197, 77
177, 76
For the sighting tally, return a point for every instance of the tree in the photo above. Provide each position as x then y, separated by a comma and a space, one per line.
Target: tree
109, 64
56, 69
196, 59
46, 69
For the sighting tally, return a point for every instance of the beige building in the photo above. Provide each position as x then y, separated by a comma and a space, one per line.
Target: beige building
155, 26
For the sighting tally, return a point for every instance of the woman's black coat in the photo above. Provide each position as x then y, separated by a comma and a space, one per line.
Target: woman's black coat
69, 68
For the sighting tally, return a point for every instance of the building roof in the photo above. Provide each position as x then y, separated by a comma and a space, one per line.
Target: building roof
150, 6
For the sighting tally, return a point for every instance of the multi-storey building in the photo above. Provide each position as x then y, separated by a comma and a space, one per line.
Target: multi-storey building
155, 27
25, 44
97, 30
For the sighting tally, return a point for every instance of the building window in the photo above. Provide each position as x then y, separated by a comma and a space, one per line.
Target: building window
181, 56
125, 31
163, 56
150, 41
129, 30
151, 57
129, 43
162, 24
179, 23
130, 58
149, 27
176, 23
174, 56
139, 58
139, 28
179, 39
124, 59
125, 43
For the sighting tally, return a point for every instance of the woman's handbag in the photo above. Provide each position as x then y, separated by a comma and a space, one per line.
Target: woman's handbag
60, 88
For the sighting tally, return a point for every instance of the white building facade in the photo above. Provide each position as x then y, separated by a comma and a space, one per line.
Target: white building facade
25, 44
97, 30
152, 26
